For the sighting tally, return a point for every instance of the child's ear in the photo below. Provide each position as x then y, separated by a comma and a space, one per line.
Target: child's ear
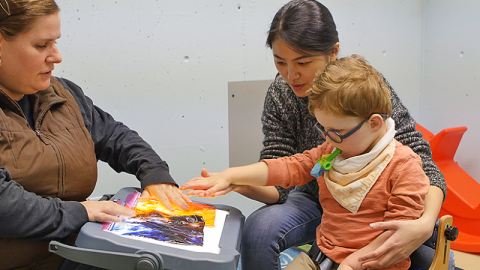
376, 122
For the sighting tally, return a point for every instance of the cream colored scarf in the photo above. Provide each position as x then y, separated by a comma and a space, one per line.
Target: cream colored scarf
349, 180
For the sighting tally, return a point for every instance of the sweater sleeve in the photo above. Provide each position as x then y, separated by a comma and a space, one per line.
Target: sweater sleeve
407, 134
279, 139
122, 148
26, 215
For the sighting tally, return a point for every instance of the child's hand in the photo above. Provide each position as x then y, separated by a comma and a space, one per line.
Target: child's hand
210, 185
232, 187
205, 173
216, 184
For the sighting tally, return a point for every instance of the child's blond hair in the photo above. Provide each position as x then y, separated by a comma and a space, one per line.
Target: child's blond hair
350, 87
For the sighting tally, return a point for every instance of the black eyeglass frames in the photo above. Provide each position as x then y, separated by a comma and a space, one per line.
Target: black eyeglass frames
338, 138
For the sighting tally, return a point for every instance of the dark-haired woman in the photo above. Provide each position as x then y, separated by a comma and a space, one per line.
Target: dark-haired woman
303, 38
51, 136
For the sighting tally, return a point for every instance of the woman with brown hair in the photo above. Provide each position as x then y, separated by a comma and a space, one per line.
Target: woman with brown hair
51, 136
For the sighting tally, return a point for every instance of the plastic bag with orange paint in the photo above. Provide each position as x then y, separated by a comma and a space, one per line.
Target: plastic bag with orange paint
153, 221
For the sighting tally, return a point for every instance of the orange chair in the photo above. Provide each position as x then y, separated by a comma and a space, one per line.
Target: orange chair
463, 192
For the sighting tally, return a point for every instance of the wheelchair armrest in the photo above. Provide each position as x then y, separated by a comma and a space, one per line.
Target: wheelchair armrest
446, 233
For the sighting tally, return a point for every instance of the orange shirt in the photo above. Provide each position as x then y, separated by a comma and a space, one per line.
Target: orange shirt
399, 193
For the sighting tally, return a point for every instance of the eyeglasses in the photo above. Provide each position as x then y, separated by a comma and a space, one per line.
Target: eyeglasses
338, 138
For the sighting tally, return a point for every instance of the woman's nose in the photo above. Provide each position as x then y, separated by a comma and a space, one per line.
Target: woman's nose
292, 73
55, 56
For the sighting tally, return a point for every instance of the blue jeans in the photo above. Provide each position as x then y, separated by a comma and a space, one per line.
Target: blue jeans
274, 228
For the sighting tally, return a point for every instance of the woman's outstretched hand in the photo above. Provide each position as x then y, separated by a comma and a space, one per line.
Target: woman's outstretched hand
167, 194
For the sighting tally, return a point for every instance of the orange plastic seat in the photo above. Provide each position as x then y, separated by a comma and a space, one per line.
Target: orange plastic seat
463, 192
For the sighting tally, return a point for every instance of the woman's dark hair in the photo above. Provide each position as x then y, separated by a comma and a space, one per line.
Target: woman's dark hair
306, 26
18, 16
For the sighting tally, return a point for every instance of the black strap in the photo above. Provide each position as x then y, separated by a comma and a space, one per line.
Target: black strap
318, 256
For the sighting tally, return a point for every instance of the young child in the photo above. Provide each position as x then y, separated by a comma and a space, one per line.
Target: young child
374, 178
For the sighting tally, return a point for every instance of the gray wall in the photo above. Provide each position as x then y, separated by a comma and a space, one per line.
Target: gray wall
451, 74
163, 68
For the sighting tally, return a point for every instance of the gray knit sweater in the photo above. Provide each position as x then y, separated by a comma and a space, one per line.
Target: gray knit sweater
288, 128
